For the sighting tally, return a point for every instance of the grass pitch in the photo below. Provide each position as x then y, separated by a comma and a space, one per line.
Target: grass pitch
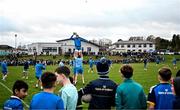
145, 78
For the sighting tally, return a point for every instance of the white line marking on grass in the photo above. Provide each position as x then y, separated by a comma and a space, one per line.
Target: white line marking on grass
12, 92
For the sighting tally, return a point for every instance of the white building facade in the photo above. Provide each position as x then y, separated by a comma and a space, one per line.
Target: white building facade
61, 47
133, 46
67, 45
43, 48
105, 42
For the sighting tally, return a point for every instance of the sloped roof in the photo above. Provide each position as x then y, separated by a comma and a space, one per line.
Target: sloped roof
82, 39
6, 47
134, 42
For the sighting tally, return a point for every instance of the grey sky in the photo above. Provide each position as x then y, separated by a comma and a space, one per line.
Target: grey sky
51, 20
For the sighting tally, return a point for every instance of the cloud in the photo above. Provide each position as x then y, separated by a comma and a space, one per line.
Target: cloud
6, 25
47, 20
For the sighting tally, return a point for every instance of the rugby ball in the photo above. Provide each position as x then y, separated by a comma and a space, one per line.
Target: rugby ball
86, 98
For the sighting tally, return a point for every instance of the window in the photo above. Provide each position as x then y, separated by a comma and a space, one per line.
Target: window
88, 49
134, 50
117, 45
139, 50
122, 46
49, 49
128, 50
133, 45
139, 45
144, 45
34, 49
30, 50
128, 46
150, 45
69, 50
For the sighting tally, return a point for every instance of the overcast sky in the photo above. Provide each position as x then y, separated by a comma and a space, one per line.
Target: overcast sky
51, 20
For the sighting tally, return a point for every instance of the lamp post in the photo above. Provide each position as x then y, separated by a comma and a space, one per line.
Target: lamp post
15, 40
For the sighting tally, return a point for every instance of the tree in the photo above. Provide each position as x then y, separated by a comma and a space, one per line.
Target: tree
162, 43
120, 40
151, 38
175, 43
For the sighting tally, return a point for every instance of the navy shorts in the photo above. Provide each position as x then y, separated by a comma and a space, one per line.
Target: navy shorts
4, 72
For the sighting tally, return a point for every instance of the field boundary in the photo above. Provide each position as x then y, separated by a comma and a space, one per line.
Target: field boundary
12, 92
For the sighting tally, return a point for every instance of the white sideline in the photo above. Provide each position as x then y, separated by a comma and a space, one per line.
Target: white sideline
12, 92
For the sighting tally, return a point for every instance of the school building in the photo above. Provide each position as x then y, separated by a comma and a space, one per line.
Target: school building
61, 47
133, 46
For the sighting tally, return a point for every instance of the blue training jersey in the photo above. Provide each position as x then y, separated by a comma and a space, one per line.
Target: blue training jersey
78, 62
4, 67
14, 103
91, 62
161, 95
39, 67
174, 61
77, 42
46, 101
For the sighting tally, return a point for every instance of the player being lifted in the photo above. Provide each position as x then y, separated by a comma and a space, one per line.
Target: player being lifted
77, 41
78, 56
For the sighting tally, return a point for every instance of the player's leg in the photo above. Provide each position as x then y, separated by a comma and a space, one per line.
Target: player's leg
23, 74
26, 74
76, 76
4, 75
82, 75
37, 82
145, 66
89, 69
40, 83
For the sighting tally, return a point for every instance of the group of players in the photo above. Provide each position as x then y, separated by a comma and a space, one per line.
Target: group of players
104, 92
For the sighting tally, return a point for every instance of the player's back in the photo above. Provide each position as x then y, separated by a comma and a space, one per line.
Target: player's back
14, 103
4, 66
39, 68
131, 95
70, 95
103, 93
45, 100
163, 96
